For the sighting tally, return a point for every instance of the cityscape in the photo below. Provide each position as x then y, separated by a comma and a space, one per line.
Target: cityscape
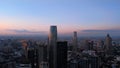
59, 34
55, 53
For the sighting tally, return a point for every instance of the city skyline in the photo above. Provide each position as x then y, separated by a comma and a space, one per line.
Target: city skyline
93, 18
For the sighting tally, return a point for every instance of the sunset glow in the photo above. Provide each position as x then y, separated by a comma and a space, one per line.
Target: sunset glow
35, 17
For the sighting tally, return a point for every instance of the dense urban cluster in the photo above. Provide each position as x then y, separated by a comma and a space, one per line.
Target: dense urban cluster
54, 53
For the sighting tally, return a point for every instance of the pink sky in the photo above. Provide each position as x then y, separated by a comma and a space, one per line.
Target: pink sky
8, 25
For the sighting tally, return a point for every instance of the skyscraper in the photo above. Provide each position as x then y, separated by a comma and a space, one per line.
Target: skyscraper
42, 54
75, 41
52, 49
108, 43
61, 54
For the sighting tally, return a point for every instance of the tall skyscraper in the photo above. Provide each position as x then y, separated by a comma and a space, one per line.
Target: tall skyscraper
61, 54
75, 42
52, 47
108, 43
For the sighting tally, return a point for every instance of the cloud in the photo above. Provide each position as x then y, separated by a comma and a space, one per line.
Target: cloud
99, 31
112, 32
24, 31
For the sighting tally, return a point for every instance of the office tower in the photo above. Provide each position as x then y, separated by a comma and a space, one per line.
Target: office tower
61, 54
42, 54
108, 43
52, 47
31, 57
33, 54
75, 42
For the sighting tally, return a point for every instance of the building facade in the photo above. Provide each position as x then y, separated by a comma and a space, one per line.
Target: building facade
52, 51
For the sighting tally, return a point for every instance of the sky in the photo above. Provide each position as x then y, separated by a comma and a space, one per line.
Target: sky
34, 17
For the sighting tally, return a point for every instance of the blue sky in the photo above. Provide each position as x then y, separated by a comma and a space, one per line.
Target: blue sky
68, 15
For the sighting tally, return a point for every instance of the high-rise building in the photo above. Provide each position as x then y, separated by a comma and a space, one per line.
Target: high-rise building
31, 57
61, 54
42, 55
75, 42
52, 49
108, 43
